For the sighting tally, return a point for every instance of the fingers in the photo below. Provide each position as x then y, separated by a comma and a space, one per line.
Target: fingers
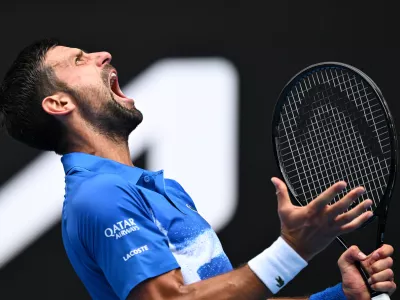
353, 213
388, 287
281, 193
385, 275
350, 256
382, 276
323, 199
383, 252
380, 265
356, 223
343, 204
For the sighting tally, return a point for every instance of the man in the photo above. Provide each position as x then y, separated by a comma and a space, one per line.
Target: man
131, 233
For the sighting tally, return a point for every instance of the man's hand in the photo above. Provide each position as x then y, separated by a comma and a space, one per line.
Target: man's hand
311, 228
378, 265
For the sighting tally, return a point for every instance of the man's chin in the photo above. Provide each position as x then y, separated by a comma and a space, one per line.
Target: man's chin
119, 120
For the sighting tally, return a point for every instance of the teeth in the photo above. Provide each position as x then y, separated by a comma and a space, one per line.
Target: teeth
113, 78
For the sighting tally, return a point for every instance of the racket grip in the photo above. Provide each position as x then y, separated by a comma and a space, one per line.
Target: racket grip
381, 297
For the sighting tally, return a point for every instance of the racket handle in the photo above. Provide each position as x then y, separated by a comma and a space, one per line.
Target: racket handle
381, 297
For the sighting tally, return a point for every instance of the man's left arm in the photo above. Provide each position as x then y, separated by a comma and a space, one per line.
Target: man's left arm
378, 265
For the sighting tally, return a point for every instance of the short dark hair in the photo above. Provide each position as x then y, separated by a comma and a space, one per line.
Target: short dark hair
25, 85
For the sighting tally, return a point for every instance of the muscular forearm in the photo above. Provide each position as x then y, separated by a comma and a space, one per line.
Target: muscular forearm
262, 277
240, 284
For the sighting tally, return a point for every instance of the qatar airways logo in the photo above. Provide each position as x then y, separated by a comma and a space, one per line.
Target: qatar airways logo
121, 228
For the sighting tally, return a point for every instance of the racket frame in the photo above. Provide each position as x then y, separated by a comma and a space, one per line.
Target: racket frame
381, 210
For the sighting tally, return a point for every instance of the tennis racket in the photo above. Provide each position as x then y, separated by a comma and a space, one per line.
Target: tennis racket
331, 123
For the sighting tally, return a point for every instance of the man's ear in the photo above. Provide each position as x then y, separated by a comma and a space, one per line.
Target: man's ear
58, 104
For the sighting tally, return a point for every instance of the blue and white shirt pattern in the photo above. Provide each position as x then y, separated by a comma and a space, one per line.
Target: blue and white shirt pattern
122, 225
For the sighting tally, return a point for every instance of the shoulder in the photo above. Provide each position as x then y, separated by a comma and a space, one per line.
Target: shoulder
102, 185
174, 184
104, 181
104, 193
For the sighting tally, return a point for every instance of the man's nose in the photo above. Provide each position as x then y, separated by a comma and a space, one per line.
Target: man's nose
102, 58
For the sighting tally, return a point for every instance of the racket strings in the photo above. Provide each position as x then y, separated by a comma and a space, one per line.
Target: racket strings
327, 142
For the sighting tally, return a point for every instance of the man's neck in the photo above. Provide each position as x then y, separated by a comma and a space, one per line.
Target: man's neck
104, 147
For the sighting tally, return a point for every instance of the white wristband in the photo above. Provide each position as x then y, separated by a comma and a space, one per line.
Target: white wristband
277, 265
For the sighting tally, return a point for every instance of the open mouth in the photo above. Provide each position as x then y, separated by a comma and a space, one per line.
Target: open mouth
114, 85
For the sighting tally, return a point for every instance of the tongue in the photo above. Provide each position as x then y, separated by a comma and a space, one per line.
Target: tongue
117, 90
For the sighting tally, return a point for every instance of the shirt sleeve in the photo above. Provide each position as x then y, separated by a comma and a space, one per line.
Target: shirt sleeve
117, 230
333, 293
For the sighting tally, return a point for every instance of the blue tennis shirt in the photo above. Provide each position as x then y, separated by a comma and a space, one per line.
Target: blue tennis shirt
122, 225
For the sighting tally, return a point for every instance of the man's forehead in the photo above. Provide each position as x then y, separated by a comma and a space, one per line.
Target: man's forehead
59, 55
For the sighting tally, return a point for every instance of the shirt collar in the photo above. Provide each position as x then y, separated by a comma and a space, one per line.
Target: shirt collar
99, 164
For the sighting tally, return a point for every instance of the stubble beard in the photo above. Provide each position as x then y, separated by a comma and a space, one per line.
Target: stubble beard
110, 119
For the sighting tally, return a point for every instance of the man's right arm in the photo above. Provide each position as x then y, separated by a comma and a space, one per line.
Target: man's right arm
307, 230
241, 283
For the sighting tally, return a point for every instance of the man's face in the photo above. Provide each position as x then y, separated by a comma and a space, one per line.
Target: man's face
93, 83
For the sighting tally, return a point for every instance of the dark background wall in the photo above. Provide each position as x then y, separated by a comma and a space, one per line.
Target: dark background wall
267, 43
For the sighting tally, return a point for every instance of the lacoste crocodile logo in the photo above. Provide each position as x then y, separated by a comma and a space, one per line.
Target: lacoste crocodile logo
280, 281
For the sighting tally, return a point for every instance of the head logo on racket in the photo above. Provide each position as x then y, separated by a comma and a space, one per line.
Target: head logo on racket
331, 123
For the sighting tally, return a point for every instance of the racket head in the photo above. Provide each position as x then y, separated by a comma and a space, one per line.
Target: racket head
292, 124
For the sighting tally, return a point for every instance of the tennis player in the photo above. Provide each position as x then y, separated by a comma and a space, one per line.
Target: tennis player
133, 234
